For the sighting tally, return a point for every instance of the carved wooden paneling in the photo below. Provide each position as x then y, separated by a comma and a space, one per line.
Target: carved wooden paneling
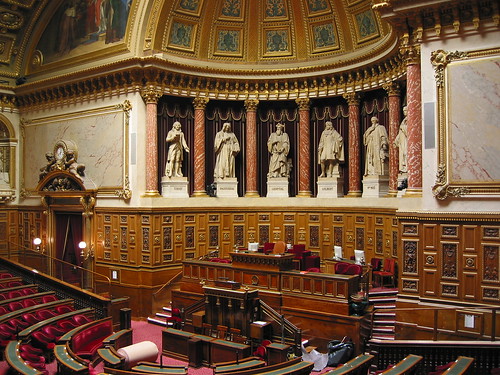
360, 239
264, 234
429, 279
430, 236
314, 239
491, 264
289, 233
410, 257
449, 269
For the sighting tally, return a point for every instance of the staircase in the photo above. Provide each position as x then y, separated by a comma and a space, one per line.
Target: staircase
160, 318
384, 315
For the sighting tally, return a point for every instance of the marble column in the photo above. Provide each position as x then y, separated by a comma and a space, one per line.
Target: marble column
251, 148
304, 148
200, 103
151, 96
414, 119
353, 100
394, 93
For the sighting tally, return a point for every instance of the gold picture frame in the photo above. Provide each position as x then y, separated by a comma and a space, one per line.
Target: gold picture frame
468, 128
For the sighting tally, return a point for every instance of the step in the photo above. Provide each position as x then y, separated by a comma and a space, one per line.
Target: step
384, 329
382, 337
382, 299
162, 315
385, 306
379, 323
160, 322
383, 313
157, 321
167, 308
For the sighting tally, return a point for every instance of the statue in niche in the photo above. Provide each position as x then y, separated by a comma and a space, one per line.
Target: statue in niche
375, 140
175, 154
226, 148
278, 145
401, 142
330, 151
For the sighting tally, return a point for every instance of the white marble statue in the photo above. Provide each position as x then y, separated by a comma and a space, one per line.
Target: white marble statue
401, 142
175, 151
330, 151
375, 140
278, 145
226, 148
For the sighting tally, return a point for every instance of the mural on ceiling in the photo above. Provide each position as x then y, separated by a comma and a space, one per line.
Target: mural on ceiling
82, 26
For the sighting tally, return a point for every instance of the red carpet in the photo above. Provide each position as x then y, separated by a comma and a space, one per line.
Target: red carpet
143, 331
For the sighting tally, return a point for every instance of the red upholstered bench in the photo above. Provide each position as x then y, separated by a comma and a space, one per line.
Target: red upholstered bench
85, 343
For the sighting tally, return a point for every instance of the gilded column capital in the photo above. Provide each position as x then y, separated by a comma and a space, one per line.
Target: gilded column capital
200, 102
251, 104
151, 94
303, 103
352, 98
410, 50
392, 88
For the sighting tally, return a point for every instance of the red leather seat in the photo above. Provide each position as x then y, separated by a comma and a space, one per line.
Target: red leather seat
42, 341
354, 269
14, 306
49, 298
268, 247
45, 314
388, 272
29, 302
341, 267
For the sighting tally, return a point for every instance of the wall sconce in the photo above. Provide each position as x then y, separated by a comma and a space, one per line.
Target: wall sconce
89, 253
37, 242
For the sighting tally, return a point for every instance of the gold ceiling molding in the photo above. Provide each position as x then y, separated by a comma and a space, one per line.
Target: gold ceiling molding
134, 75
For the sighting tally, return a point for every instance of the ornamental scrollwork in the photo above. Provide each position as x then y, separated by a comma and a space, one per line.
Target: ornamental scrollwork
440, 59
442, 190
125, 193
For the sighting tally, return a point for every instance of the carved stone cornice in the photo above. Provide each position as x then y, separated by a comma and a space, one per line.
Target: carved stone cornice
392, 89
251, 104
352, 98
430, 18
153, 77
200, 102
303, 103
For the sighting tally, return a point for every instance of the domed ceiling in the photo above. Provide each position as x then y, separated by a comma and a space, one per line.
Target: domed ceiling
270, 34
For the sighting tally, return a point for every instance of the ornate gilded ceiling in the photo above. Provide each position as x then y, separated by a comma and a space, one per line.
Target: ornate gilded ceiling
249, 35
230, 49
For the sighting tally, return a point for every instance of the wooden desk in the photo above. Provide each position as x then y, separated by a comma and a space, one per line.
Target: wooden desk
206, 348
222, 350
175, 343
277, 353
274, 262
260, 330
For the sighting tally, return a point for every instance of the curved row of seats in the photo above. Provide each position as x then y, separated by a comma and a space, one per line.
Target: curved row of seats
31, 322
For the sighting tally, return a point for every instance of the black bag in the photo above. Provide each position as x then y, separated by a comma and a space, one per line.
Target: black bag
339, 351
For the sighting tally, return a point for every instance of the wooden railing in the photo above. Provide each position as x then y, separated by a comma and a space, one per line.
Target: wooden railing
102, 306
288, 333
486, 354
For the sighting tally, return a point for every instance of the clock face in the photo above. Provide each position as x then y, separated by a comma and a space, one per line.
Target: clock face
59, 154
